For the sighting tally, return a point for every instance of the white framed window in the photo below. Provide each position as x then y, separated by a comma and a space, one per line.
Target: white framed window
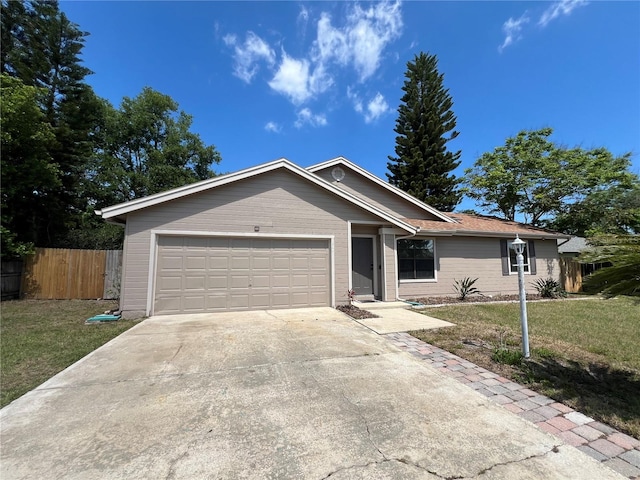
416, 259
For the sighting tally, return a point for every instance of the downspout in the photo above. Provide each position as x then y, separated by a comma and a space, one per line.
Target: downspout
397, 276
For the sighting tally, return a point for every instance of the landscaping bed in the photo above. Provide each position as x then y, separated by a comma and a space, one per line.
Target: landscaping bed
583, 353
355, 312
475, 299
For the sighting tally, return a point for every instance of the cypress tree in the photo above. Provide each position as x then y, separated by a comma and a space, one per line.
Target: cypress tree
423, 163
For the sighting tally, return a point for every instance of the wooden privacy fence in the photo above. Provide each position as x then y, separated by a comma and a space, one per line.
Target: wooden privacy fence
60, 273
570, 274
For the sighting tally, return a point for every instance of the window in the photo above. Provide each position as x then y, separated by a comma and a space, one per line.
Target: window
509, 262
416, 260
513, 261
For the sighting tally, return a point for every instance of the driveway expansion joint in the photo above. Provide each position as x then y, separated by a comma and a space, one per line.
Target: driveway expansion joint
595, 439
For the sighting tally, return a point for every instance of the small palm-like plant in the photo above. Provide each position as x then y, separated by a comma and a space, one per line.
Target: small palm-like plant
549, 288
465, 287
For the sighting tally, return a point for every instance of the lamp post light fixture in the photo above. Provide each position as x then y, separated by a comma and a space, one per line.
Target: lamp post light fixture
518, 246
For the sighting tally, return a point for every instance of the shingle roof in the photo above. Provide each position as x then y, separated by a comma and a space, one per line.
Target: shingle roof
482, 225
574, 245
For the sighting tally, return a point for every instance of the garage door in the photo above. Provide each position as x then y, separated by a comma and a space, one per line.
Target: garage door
200, 274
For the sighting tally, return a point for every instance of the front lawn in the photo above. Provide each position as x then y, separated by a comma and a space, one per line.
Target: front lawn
39, 338
584, 353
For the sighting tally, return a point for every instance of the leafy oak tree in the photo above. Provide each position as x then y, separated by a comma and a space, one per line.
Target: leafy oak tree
146, 147
612, 211
29, 176
622, 277
533, 178
423, 164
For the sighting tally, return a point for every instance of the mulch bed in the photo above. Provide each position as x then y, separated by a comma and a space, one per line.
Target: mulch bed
474, 299
355, 312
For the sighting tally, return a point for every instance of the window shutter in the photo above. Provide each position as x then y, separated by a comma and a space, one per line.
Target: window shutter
532, 258
504, 251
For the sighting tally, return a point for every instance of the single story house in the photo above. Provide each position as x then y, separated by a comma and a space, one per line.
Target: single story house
281, 236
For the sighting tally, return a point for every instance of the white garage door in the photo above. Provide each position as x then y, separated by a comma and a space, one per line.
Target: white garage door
209, 274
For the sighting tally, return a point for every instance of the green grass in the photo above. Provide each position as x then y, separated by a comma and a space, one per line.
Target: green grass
39, 338
585, 353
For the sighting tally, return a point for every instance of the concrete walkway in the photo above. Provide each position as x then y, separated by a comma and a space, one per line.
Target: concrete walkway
616, 450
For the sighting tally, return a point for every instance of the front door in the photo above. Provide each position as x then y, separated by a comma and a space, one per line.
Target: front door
362, 265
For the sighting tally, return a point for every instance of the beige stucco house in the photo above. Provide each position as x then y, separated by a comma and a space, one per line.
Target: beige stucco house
281, 236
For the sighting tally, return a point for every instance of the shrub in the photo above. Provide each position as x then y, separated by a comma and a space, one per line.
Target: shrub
549, 288
465, 287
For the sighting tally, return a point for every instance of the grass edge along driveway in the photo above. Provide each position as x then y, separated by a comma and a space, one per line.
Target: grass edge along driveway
40, 338
584, 353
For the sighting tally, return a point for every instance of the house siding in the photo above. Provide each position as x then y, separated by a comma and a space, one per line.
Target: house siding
279, 202
477, 257
390, 269
373, 194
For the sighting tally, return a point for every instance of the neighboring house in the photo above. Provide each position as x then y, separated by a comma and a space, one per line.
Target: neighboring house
572, 270
281, 236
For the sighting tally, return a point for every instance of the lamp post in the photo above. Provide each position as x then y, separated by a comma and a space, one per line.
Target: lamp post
518, 246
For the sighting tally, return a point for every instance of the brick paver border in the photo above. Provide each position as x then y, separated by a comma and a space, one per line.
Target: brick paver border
615, 449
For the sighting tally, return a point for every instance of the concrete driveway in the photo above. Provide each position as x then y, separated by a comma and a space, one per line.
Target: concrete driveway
304, 394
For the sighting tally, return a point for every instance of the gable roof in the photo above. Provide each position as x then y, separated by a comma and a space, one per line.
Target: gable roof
117, 212
482, 226
386, 185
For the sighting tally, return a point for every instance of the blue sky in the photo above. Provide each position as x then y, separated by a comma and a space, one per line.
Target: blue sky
310, 81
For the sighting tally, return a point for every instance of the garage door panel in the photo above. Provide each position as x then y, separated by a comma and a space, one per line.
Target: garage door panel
218, 262
216, 302
240, 273
193, 303
193, 262
217, 282
172, 262
260, 281
170, 284
239, 281
239, 301
318, 280
300, 280
300, 263
195, 283
281, 263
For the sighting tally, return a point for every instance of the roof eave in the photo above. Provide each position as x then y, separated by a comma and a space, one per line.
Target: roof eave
382, 183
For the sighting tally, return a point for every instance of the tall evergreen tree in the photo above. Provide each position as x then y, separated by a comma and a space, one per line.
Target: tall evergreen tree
43, 49
423, 163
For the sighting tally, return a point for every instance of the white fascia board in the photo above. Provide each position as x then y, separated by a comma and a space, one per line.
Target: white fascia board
382, 183
476, 233
138, 204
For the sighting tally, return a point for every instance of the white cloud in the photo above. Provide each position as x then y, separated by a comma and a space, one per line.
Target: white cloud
292, 79
361, 41
248, 55
377, 107
295, 80
357, 41
306, 117
272, 127
563, 7
355, 98
512, 29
